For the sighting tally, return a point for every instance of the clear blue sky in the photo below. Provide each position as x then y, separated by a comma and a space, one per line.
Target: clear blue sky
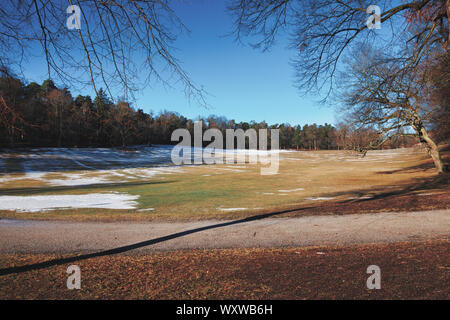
244, 84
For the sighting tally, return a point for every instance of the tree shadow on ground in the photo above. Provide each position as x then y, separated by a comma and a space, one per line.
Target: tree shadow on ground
37, 190
417, 185
429, 165
57, 160
134, 246
419, 194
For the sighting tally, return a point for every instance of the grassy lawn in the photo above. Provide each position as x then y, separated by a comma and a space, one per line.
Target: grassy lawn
417, 270
329, 181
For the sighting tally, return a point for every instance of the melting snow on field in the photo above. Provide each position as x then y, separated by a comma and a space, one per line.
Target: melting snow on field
319, 198
293, 190
46, 203
231, 209
88, 166
77, 180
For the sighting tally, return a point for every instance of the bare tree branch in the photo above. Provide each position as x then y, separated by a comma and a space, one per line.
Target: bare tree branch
121, 45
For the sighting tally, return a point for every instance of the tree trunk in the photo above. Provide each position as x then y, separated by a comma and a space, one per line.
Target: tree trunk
60, 127
123, 138
448, 18
11, 136
432, 149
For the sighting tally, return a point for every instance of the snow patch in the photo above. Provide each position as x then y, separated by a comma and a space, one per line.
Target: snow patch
231, 209
293, 190
319, 198
77, 180
47, 203
428, 194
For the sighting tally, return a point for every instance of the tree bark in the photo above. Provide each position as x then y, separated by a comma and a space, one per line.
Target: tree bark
432, 149
448, 18
60, 129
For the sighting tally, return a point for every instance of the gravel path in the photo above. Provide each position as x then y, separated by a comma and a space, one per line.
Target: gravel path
18, 236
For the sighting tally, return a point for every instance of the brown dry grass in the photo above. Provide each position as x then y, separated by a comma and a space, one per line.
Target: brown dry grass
408, 271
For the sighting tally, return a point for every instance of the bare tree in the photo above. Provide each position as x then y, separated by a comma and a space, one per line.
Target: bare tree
60, 100
438, 75
123, 122
381, 93
323, 30
11, 122
110, 46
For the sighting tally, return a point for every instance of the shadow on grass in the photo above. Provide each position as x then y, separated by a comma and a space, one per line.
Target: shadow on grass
427, 163
418, 184
36, 190
57, 160
420, 167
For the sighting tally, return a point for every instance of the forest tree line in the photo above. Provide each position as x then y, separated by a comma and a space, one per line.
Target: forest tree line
42, 115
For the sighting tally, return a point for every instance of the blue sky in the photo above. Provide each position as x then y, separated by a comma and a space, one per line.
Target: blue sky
243, 83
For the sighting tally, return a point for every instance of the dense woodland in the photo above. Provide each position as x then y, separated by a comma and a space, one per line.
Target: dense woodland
42, 115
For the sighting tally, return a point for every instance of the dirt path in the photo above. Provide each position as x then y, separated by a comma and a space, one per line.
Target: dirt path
18, 236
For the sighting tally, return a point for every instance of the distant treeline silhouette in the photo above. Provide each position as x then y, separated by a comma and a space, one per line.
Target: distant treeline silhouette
43, 115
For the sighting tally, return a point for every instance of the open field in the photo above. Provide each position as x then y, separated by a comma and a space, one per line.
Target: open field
412, 270
162, 234
109, 184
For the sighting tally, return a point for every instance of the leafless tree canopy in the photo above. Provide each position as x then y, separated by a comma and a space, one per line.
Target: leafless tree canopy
381, 92
117, 41
385, 87
322, 30
390, 95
